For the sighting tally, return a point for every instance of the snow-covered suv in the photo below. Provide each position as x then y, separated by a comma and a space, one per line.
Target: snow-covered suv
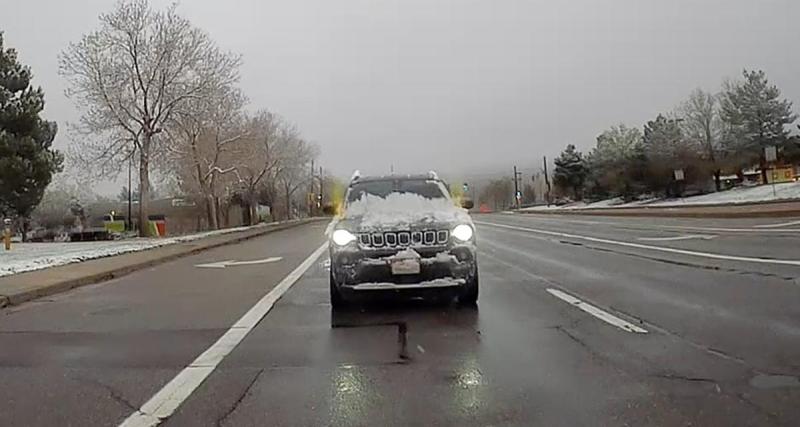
402, 234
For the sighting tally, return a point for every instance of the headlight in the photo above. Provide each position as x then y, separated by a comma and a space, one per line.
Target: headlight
463, 232
343, 237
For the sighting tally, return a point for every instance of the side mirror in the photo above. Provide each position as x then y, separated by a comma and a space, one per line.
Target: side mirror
467, 204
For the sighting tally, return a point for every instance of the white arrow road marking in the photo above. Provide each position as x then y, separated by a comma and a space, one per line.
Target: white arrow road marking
674, 238
596, 312
784, 224
650, 247
232, 263
168, 399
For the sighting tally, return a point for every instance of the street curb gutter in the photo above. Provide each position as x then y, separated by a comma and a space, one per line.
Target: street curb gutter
54, 280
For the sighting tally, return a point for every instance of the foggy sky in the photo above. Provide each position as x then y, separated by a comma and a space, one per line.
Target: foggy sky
454, 85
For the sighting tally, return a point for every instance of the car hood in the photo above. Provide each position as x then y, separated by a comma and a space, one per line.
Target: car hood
402, 211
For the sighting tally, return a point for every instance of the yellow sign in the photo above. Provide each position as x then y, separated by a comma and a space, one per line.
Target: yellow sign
780, 175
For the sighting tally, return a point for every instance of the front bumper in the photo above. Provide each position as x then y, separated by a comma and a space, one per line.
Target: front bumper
369, 270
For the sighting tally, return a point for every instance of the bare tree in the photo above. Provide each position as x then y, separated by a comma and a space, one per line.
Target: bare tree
204, 143
261, 157
130, 76
295, 154
702, 124
499, 192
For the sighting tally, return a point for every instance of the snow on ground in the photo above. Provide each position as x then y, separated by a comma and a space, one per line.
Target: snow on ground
35, 256
761, 193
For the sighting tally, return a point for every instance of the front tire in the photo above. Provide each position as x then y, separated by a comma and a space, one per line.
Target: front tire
337, 301
469, 293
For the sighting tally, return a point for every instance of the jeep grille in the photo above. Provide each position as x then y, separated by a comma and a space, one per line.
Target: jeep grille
401, 239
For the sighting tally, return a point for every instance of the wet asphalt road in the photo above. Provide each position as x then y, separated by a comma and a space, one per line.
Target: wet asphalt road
719, 301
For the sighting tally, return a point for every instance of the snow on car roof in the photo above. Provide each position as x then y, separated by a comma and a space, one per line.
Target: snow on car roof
421, 177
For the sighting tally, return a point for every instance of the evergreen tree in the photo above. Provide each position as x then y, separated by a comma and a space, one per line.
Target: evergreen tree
667, 150
616, 164
570, 171
755, 116
27, 160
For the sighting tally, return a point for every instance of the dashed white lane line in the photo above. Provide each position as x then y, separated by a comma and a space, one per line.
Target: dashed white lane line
596, 312
168, 399
784, 224
676, 238
648, 247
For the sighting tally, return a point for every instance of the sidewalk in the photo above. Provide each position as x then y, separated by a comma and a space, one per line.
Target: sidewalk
750, 210
21, 287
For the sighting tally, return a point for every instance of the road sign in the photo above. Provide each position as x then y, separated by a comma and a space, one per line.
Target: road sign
232, 263
771, 153
679, 176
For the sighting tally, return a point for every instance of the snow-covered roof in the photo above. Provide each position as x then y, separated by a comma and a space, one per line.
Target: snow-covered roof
392, 177
403, 209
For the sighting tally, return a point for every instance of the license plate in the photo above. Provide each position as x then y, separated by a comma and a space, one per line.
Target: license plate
405, 266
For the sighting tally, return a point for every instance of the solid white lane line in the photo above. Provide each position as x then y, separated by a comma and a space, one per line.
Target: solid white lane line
638, 226
785, 224
730, 230
649, 247
596, 312
169, 398
676, 238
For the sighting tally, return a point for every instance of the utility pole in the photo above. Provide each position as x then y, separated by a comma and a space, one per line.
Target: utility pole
310, 198
321, 189
547, 182
516, 187
7, 233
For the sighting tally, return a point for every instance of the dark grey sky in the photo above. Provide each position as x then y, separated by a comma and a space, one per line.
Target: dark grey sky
455, 84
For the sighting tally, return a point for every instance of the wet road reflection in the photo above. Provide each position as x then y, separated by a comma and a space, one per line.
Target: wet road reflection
437, 343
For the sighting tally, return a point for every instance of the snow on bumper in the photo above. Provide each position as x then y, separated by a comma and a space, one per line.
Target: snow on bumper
442, 268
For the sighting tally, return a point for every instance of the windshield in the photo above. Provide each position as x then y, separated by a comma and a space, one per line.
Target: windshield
429, 189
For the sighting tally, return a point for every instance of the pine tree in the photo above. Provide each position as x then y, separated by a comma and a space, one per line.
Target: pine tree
27, 160
756, 117
570, 172
616, 164
667, 150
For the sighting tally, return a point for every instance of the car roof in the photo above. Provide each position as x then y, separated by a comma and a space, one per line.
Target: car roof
415, 177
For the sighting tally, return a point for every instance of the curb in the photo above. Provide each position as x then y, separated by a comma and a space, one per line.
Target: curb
192, 247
